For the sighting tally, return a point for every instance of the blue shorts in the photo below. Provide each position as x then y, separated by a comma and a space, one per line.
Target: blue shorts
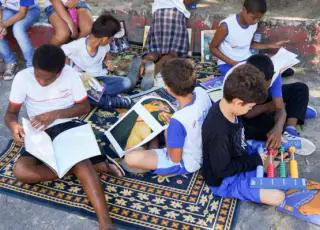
238, 186
81, 4
224, 68
165, 166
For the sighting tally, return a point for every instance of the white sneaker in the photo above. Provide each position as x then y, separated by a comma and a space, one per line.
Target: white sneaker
303, 146
10, 71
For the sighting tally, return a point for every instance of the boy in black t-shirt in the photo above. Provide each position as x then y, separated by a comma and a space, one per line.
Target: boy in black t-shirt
227, 166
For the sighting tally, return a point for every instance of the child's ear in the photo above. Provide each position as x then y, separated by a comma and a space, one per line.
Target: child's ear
237, 102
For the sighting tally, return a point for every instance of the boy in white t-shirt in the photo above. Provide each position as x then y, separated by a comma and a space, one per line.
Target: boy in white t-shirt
183, 152
53, 95
234, 37
89, 55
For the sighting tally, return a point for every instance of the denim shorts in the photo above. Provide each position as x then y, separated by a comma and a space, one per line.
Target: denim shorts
81, 4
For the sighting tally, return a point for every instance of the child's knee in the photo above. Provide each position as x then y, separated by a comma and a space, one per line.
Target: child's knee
128, 84
21, 171
85, 164
272, 197
62, 36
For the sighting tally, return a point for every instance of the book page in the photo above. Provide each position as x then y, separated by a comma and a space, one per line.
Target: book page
283, 60
74, 145
144, 121
39, 144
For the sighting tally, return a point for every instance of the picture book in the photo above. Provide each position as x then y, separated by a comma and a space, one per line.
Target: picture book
213, 82
94, 88
143, 122
65, 150
283, 60
303, 204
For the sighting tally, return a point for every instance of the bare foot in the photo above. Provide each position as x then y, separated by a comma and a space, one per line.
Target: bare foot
108, 168
106, 225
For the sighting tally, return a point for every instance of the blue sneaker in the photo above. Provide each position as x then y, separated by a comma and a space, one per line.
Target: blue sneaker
303, 146
292, 131
311, 113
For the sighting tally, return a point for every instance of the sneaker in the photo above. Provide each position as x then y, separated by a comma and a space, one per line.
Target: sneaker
115, 102
292, 131
10, 71
303, 146
311, 113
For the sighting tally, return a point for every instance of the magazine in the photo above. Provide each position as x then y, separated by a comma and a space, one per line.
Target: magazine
283, 60
93, 86
206, 38
303, 204
65, 150
143, 122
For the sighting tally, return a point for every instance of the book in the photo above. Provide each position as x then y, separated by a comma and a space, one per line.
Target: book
206, 38
93, 87
283, 60
143, 122
215, 94
213, 82
303, 204
66, 149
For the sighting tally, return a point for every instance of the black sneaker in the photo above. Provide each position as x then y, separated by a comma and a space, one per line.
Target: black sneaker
115, 102
10, 71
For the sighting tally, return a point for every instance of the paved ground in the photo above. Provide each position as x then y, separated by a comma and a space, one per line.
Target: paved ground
17, 214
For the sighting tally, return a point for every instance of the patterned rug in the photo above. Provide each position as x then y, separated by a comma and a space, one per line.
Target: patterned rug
137, 201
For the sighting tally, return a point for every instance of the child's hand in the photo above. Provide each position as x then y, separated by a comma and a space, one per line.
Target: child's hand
109, 65
18, 134
72, 3
234, 63
73, 29
274, 138
42, 121
278, 45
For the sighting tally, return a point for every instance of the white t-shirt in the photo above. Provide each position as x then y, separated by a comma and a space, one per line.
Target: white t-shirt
184, 129
237, 43
168, 4
77, 52
63, 93
15, 4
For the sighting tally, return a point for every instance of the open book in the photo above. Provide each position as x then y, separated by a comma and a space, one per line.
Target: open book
93, 86
63, 152
283, 60
144, 121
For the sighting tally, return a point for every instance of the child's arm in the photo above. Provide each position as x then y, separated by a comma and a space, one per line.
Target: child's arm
219, 36
175, 154
23, 10
222, 164
11, 121
175, 137
42, 121
275, 134
62, 12
275, 45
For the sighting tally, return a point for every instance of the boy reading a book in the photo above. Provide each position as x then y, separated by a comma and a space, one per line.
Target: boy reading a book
227, 166
89, 54
286, 107
183, 152
53, 95
233, 38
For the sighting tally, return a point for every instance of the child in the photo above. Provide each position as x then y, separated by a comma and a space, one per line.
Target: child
19, 15
227, 166
89, 55
233, 39
168, 35
63, 23
53, 95
286, 107
183, 152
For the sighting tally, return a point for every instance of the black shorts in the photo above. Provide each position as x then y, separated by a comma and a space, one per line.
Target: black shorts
55, 130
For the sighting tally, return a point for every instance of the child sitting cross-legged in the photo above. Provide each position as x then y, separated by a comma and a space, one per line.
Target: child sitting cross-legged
228, 166
89, 54
54, 96
183, 153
